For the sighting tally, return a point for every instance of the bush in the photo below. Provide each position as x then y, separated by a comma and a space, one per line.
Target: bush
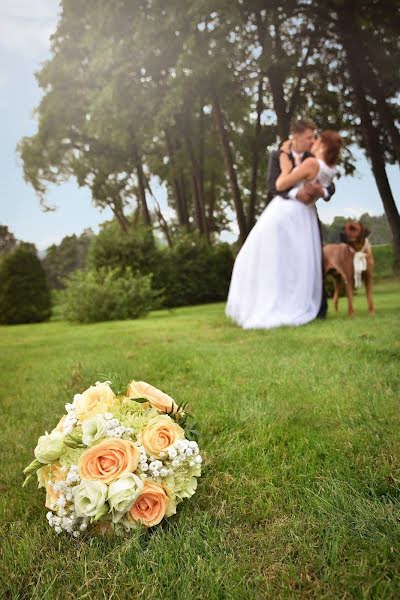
106, 295
383, 258
193, 272
116, 250
24, 291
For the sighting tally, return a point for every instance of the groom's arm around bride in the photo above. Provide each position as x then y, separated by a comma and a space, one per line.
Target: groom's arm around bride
298, 149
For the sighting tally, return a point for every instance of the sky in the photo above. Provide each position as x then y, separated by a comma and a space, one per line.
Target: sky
25, 28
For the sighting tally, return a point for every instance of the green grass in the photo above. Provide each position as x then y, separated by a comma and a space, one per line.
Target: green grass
300, 491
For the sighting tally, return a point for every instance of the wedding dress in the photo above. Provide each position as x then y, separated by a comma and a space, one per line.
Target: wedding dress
277, 276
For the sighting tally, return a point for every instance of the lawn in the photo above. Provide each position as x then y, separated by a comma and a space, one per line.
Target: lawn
300, 434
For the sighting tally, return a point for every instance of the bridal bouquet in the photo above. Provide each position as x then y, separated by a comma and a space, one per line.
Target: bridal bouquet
117, 460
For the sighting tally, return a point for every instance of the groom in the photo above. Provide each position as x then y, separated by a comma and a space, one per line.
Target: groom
302, 138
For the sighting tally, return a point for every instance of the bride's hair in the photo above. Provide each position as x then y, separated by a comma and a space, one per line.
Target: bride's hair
333, 144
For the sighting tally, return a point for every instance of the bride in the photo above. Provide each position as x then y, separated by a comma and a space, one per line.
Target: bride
277, 276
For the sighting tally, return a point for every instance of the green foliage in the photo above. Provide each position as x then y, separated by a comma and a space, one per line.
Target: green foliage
191, 272
113, 249
8, 241
194, 272
134, 93
383, 259
24, 292
106, 295
66, 257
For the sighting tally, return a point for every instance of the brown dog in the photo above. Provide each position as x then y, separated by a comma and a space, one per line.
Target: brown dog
352, 262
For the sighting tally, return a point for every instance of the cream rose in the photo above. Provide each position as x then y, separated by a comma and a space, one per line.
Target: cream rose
157, 399
49, 447
160, 433
109, 460
97, 399
93, 429
122, 493
150, 506
89, 498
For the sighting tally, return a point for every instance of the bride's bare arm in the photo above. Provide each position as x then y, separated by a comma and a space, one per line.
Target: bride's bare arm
306, 170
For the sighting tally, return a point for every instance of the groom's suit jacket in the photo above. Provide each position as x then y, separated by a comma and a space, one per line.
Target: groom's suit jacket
273, 172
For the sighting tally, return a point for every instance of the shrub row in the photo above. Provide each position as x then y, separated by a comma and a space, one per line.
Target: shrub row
127, 276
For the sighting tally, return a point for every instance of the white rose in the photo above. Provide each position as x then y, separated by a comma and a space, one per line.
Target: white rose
49, 447
93, 429
122, 493
89, 497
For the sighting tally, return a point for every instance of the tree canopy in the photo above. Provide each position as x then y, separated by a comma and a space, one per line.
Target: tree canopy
143, 89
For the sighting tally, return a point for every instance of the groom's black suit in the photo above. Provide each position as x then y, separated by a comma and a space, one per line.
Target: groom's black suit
273, 172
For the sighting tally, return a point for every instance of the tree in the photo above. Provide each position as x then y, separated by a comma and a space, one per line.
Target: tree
24, 292
68, 256
194, 97
351, 37
8, 241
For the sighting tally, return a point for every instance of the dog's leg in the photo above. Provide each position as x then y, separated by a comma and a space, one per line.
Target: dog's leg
350, 296
336, 293
368, 288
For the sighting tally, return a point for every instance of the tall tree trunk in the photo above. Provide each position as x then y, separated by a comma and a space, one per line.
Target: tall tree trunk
275, 78
211, 205
274, 74
198, 196
185, 203
296, 92
161, 219
372, 82
229, 166
141, 187
254, 166
179, 201
371, 140
384, 109
118, 211
201, 151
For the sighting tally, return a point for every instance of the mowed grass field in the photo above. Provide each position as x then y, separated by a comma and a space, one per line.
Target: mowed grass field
300, 491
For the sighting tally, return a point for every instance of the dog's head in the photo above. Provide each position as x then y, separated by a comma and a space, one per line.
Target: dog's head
354, 233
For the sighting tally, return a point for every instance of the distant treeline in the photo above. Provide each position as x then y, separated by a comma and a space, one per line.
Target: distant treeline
378, 226
72, 252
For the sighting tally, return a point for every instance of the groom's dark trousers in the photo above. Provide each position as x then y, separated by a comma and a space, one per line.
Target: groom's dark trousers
273, 172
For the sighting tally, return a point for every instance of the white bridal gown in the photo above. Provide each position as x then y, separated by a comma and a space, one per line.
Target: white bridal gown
277, 276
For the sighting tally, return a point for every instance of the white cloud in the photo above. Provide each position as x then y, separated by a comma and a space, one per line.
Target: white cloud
26, 26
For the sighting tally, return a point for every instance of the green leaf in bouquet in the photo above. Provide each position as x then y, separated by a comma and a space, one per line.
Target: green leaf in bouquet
192, 433
73, 440
103, 511
117, 384
139, 400
34, 466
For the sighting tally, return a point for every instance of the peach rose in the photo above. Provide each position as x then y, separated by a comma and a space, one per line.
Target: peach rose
150, 506
160, 433
108, 460
158, 399
97, 399
51, 473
